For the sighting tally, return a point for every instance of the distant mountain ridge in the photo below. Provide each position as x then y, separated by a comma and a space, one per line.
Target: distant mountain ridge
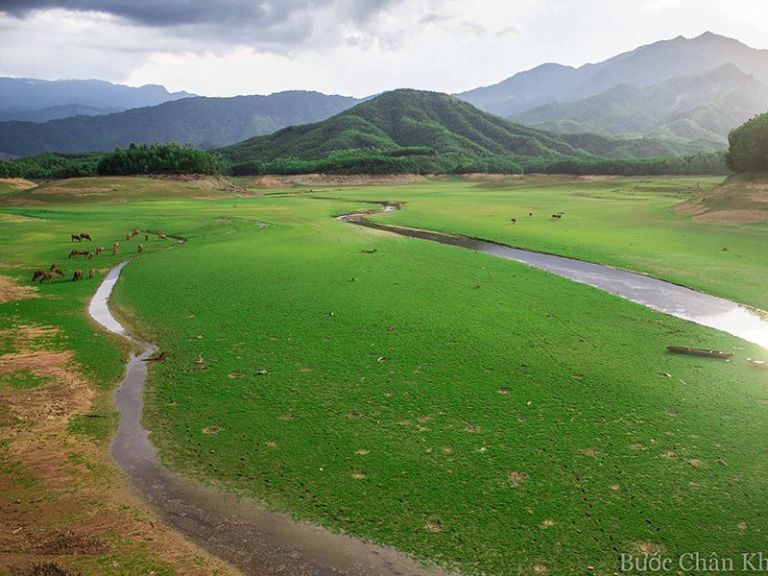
703, 107
55, 113
645, 66
198, 121
26, 94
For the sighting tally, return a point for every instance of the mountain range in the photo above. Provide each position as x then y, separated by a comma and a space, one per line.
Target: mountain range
20, 98
702, 107
674, 95
202, 122
435, 132
645, 66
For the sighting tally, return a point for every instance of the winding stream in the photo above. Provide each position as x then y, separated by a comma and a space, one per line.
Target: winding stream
746, 323
248, 536
261, 542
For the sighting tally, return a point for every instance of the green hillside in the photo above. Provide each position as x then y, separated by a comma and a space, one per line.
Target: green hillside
705, 107
201, 122
417, 131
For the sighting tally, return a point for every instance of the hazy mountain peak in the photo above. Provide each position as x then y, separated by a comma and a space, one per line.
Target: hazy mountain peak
644, 66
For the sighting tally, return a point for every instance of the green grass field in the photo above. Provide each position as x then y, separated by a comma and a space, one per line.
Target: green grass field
626, 222
468, 410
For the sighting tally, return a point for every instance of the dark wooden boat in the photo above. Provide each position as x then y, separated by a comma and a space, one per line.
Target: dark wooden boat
700, 352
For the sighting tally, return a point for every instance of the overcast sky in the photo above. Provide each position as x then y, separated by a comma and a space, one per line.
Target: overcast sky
354, 47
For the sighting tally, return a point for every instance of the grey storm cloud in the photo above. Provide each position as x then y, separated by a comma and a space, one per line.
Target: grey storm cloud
237, 14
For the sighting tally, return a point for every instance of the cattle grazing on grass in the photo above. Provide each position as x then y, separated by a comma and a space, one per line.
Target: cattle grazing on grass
115, 249
557, 216
85, 236
76, 238
91, 272
140, 248
163, 237
513, 220
146, 237
78, 275
99, 250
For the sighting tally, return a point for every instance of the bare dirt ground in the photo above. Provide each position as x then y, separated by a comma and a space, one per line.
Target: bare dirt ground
17, 183
10, 290
738, 200
64, 506
332, 180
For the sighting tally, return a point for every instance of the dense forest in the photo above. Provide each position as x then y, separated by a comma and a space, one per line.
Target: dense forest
748, 150
160, 159
48, 166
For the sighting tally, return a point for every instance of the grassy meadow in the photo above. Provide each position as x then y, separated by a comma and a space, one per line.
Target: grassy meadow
630, 223
468, 410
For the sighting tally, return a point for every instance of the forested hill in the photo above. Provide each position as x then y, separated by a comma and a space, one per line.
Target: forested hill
202, 122
411, 130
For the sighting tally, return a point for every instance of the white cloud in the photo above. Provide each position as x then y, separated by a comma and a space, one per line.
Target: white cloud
355, 47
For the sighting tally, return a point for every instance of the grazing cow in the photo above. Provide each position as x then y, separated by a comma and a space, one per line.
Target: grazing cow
140, 248
85, 236
76, 238
163, 237
371, 251
54, 266
128, 236
136, 232
49, 276
91, 272
90, 255
557, 216
115, 249
81, 253
146, 237
56, 270
514, 220
99, 250
39, 275
78, 275
530, 213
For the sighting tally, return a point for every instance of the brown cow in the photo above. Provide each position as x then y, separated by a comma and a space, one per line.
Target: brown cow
140, 248
99, 250
76, 238
91, 272
115, 249
85, 236
128, 236
78, 275
163, 237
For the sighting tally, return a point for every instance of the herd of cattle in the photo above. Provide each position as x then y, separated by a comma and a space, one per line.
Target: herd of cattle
54, 271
